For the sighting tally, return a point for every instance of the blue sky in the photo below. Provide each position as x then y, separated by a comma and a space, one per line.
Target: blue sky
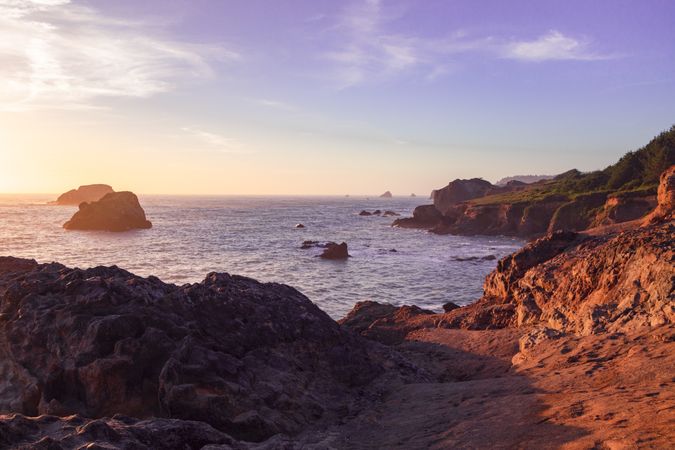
326, 97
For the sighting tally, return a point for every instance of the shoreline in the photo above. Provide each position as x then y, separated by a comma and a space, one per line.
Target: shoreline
432, 380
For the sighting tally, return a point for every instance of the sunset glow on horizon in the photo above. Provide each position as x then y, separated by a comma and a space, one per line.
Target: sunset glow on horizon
323, 97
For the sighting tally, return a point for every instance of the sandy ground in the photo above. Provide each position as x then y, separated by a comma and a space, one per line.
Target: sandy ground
594, 392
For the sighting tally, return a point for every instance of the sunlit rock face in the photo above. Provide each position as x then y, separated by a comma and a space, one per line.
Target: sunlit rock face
118, 211
665, 198
87, 193
249, 359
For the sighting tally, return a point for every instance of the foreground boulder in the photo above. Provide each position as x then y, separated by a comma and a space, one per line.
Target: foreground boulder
87, 193
119, 211
249, 359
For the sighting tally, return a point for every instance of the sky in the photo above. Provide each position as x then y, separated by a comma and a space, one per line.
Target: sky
325, 97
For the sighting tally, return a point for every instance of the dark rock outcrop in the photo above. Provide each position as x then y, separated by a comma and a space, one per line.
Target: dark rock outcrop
87, 193
249, 359
390, 213
458, 191
365, 213
424, 216
335, 251
386, 195
118, 211
450, 306
384, 323
299, 225
120, 432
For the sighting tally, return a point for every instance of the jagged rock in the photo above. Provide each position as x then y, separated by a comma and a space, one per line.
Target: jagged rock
335, 251
249, 359
299, 225
87, 193
386, 195
118, 211
665, 198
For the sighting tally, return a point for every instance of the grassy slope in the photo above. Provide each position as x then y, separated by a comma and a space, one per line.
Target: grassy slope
636, 173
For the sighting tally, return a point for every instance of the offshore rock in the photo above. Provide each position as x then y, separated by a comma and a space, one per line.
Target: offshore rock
118, 211
333, 250
87, 193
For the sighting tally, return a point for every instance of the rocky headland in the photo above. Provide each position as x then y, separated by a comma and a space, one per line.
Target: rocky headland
117, 211
573, 201
87, 193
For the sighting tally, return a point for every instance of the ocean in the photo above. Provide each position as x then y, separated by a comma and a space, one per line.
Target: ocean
256, 236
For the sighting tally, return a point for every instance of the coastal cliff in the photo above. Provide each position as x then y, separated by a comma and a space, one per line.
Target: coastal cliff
572, 201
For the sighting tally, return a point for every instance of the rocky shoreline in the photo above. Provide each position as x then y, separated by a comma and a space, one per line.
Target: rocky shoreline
573, 200
571, 346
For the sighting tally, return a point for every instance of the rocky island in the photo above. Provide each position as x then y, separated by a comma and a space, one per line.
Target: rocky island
117, 211
87, 193
570, 346
573, 200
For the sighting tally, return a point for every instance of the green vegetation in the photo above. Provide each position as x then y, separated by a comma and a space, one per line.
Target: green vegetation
635, 174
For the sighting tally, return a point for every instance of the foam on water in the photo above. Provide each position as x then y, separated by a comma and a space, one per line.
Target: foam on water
255, 236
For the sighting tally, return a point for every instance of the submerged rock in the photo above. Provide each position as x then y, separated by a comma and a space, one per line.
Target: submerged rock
299, 225
87, 193
118, 211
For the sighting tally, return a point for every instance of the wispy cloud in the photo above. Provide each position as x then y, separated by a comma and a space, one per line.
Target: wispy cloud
369, 51
553, 46
57, 54
215, 141
275, 104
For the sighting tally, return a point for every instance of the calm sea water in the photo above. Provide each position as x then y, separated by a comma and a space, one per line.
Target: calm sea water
255, 236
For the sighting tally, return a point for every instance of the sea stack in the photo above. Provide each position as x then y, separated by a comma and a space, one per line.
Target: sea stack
117, 211
87, 193
386, 195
